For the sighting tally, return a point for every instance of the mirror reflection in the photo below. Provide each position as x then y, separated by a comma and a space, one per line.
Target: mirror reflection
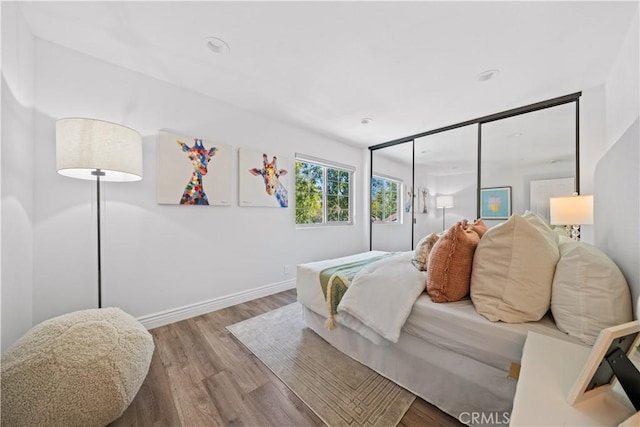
391, 198
525, 160
446, 179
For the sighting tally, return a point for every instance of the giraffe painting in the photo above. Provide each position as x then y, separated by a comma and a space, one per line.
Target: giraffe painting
271, 176
208, 179
199, 157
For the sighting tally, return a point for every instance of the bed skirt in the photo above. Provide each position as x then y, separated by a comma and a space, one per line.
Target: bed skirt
468, 390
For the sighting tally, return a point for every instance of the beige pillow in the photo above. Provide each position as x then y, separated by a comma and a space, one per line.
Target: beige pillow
449, 269
589, 292
422, 251
513, 270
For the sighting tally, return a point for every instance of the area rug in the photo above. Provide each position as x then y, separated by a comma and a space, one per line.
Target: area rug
341, 391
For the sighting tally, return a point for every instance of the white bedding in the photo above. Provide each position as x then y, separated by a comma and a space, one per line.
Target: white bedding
381, 297
457, 326
308, 275
452, 326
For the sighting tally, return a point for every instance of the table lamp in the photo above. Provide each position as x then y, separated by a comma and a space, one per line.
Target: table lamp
572, 212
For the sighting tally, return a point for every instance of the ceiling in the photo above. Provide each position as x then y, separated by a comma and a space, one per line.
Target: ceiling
323, 66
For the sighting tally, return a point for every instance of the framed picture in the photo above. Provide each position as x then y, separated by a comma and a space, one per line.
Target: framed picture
423, 196
495, 203
613, 347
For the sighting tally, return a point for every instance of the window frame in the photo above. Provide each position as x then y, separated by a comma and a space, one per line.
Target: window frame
327, 164
399, 198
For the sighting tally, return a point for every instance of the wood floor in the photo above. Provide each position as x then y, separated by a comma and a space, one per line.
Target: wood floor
200, 375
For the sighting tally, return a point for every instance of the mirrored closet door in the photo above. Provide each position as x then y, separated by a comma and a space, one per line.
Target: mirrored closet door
526, 159
446, 179
392, 198
489, 168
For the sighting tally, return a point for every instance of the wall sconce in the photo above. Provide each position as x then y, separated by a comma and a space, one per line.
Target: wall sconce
444, 202
572, 212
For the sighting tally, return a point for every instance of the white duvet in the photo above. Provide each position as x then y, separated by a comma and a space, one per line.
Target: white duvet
380, 298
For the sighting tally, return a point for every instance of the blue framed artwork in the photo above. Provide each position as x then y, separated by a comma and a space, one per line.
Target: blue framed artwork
495, 203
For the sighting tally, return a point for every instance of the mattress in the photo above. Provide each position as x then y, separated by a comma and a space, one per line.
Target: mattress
453, 326
458, 327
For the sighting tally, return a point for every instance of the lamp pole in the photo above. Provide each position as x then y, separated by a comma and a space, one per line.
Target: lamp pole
98, 173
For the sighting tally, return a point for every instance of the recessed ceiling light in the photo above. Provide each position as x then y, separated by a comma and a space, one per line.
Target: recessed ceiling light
366, 121
488, 75
216, 45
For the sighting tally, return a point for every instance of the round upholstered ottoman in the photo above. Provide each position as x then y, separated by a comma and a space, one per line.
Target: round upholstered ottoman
79, 369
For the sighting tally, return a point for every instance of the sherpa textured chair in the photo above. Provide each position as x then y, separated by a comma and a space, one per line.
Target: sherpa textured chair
79, 369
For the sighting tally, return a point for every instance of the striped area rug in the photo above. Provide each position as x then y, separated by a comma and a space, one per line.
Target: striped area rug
341, 391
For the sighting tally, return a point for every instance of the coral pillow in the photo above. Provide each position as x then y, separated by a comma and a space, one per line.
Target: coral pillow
513, 270
449, 266
423, 249
589, 292
479, 227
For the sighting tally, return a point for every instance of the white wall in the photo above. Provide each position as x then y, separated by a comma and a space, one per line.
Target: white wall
622, 102
17, 175
622, 87
159, 257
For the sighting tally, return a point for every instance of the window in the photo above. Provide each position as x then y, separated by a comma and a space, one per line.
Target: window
385, 199
323, 192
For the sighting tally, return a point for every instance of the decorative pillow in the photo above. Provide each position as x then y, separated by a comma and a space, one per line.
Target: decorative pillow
528, 213
424, 247
479, 227
513, 270
449, 266
589, 292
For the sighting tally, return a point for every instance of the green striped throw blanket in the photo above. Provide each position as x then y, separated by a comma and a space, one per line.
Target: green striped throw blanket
336, 280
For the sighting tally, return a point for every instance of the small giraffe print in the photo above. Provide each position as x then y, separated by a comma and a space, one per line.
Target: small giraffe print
271, 175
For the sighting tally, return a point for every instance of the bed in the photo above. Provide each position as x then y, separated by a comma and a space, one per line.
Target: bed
450, 355
465, 371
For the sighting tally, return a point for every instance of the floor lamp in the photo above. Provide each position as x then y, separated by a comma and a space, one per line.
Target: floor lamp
444, 202
99, 151
572, 212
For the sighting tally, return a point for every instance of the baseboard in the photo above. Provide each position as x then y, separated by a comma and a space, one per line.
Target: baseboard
188, 311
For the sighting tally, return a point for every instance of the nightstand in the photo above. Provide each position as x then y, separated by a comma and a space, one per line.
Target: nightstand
550, 366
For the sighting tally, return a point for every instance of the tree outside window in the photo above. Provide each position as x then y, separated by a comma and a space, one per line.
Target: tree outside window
323, 194
385, 199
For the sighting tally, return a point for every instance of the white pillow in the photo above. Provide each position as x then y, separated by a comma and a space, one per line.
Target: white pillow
589, 292
513, 269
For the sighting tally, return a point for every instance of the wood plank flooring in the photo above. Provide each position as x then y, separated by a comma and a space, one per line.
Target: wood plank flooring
201, 376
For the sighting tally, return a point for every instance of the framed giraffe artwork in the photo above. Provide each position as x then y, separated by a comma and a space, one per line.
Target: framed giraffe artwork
263, 178
192, 171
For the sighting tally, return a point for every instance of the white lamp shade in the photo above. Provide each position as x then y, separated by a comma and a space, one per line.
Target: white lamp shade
571, 210
444, 202
85, 145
